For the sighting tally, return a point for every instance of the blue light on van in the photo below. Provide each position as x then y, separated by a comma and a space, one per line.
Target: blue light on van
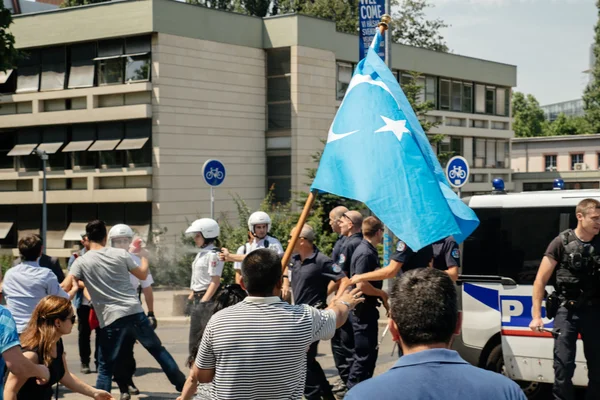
558, 184
498, 184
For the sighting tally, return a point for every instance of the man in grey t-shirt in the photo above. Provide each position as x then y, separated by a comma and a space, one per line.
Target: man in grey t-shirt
105, 272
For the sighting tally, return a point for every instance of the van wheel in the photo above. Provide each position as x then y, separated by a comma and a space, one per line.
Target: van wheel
533, 390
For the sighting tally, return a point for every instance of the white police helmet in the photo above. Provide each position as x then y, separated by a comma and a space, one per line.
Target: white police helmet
259, 218
209, 228
119, 231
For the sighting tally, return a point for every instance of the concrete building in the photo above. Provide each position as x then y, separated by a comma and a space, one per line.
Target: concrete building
538, 161
132, 97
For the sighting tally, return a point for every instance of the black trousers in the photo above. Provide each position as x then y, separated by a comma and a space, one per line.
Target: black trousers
200, 315
317, 385
125, 365
83, 327
342, 347
571, 323
365, 327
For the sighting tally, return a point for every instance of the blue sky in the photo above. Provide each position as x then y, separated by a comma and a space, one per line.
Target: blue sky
548, 40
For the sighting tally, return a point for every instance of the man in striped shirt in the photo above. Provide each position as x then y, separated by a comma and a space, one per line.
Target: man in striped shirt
257, 349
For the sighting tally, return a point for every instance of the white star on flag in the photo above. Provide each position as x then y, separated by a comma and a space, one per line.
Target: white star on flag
397, 127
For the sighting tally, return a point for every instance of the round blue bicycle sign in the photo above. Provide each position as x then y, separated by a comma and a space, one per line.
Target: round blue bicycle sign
213, 172
457, 171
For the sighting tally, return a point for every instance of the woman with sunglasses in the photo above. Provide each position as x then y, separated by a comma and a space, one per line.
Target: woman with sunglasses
206, 276
41, 341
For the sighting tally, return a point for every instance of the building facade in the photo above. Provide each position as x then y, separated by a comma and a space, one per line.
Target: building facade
130, 98
571, 108
538, 161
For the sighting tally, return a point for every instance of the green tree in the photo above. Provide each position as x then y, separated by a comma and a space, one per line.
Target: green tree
564, 125
528, 116
410, 25
74, 3
591, 95
226, 5
9, 56
259, 8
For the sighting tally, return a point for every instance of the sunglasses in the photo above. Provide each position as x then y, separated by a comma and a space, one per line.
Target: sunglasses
73, 318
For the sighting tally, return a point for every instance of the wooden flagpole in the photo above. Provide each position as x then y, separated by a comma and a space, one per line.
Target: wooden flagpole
301, 221
383, 26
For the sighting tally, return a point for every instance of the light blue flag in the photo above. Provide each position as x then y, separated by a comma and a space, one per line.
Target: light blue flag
378, 153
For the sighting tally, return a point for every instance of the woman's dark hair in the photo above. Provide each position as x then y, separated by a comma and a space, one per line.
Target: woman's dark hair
208, 242
225, 297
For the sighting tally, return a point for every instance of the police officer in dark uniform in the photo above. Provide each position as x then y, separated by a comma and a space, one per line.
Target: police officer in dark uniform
342, 344
310, 272
575, 256
446, 257
365, 317
403, 259
334, 222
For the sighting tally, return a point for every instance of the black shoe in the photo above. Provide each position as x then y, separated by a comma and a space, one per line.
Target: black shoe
125, 396
133, 389
85, 369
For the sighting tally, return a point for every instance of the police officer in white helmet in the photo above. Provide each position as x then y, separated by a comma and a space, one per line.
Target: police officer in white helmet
121, 236
206, 276
259, 226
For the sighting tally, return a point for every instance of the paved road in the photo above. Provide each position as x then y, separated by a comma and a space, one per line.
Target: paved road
154, 384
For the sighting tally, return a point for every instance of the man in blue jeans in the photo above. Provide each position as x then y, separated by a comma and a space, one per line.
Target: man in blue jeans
105, 272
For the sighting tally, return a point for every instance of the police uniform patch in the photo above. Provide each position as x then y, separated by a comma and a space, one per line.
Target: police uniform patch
401, 246
336, 268
342, 259
455, 253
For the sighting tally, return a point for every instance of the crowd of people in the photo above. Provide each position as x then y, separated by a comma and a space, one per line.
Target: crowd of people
256, 338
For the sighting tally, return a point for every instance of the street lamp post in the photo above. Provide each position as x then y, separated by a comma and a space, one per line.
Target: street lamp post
44, 157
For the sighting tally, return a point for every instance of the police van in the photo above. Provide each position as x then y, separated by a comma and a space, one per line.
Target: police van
499, 265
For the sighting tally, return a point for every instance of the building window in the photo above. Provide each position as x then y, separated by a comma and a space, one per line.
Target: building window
137, 59
279, 175
344, 76
137, 143
122, 61
7, 142
28, 71
456, 96
81, 72
467, 101
490, 100
576, 159
279, 106
431, 89
491, 153
444, 94
278, 88
550, 162
480, 99
54, 65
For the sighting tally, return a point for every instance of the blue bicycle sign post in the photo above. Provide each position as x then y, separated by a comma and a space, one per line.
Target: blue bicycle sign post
457, 172
213, 172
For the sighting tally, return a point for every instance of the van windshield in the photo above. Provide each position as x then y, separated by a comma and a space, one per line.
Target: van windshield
511, 242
